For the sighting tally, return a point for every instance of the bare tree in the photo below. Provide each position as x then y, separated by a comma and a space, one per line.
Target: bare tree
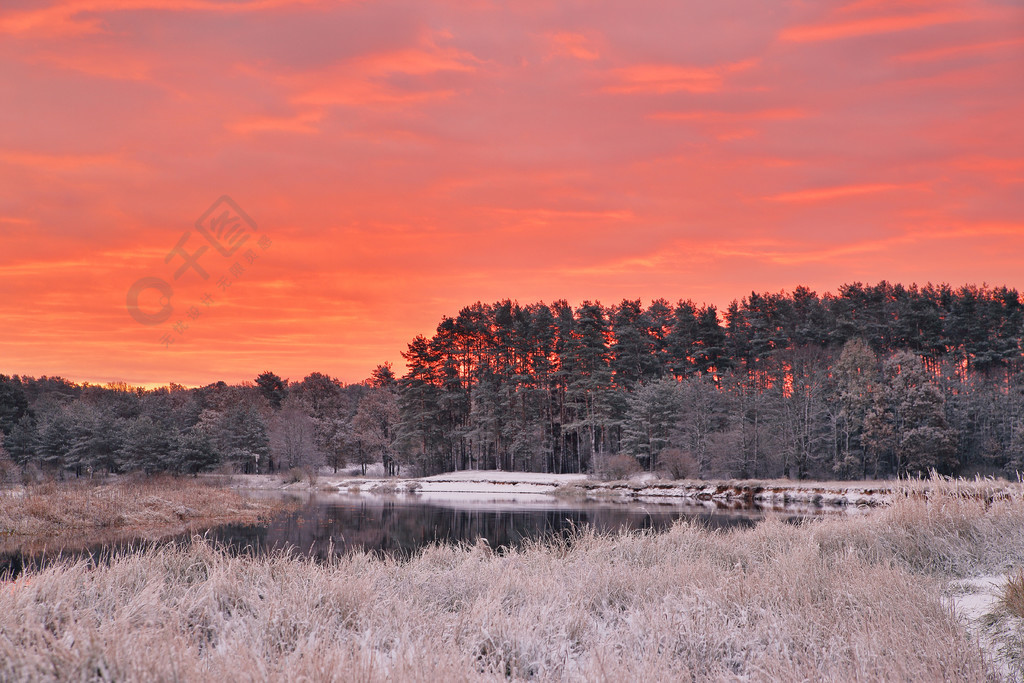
293, 441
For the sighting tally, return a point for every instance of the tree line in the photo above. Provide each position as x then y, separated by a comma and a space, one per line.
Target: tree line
50, 426
871, 381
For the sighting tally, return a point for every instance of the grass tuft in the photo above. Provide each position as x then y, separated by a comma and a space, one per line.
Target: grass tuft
1013, 594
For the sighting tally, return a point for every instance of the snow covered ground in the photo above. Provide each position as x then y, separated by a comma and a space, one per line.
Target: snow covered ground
525, 487
976, 602
529, 486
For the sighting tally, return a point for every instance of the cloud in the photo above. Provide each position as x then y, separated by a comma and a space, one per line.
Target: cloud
64, 162
954, 51
395, 77
305, 122
117, 65
671, 78
575, 45
870, 26
839, 192
64, 17
718, 115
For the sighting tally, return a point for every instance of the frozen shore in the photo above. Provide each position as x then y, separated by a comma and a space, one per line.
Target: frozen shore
527, 486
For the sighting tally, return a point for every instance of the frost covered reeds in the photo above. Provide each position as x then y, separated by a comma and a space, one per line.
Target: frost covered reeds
854, 598
88, 512
1013, 594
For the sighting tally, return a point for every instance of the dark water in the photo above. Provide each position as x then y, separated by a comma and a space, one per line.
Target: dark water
401, 526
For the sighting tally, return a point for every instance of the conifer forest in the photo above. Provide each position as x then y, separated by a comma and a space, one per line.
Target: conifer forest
871, 381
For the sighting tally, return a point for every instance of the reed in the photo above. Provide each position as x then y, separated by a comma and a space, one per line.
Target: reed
134, 505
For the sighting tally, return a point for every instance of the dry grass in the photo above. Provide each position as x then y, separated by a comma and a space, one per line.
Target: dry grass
1013, 594
60, 514
835, 599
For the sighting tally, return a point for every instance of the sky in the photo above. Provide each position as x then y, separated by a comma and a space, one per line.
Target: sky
368, 167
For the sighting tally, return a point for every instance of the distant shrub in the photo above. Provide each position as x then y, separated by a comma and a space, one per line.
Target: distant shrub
32, 475
10, 473
619, 466
226, 469
294, 475
677, 463
47, 487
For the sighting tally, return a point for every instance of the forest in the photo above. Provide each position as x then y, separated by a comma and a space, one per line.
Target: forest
872, 381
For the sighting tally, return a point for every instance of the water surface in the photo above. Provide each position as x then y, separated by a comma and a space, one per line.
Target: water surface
400, 526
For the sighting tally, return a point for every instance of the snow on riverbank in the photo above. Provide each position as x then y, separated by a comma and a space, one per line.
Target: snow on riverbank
528, 486
492, 484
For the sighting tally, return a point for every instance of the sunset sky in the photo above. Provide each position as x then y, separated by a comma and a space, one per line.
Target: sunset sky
403, 159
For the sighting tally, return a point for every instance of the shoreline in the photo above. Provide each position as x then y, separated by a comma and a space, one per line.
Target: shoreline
76, 515
528, 485
778, 494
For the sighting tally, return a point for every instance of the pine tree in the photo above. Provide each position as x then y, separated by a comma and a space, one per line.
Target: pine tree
652, 418
273, 388
420, 428
22, 442
634, 354
56, 432
13, 404
682, 340
856, 377
590, 379
909, 419
147, 446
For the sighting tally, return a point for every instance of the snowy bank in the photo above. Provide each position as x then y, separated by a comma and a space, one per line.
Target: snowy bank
527, 486
530, 486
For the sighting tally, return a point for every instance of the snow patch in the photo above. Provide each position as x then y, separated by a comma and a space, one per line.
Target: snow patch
976, 602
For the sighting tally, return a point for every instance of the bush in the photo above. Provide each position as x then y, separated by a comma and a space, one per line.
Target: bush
32, 475
677, 463
10, 473
619, 466
294, 475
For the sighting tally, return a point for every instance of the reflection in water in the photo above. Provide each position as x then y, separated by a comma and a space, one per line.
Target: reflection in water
401, 526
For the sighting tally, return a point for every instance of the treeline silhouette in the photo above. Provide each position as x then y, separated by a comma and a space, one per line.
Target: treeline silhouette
872, 381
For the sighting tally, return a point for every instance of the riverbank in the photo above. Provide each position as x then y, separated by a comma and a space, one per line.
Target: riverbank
75, 514
526, 486
884, 596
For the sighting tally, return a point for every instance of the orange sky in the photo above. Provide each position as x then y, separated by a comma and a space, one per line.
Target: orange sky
408, 158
